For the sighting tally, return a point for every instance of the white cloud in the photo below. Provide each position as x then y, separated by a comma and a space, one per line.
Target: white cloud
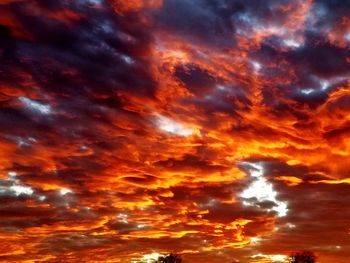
256, 65
347, 36
324, 84
281, 208
150, 258
94, 2
42, 197
290, 225
307, 91
16, 188
123, 218
36, 106
128, 60
273, 258
21, 190
12, 174
222, 88
260, 190
291, 43
64, 191
255, 240
173, 127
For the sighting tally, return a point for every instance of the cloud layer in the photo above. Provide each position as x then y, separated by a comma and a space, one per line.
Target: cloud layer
213, 129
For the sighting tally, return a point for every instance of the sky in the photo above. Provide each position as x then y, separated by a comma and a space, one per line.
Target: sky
215, 129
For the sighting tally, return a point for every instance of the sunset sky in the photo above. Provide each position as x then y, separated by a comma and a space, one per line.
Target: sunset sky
215, 129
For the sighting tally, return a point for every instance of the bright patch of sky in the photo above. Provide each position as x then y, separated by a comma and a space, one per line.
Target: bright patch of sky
150, 258
272, 258
94, 2
260, 190
291, 43
35, 106
123, 218
255, 240
128, 60
21, 190
16, 188
324, 84
222, 88
172, 126
12, 174
290, 225
256, 65
64, 191
307, 91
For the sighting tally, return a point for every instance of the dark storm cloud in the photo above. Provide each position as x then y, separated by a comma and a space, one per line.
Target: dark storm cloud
338, 5
81, 47
322, 60
196, 80
203, 20
316, 220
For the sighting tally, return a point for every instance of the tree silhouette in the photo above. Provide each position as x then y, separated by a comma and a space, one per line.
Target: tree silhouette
303, 257
172, 258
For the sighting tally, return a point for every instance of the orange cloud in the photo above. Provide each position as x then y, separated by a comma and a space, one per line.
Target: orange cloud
136, 128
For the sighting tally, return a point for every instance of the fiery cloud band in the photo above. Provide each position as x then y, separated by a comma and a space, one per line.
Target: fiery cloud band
214, 129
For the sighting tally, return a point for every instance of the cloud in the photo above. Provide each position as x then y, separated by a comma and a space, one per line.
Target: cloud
137, 127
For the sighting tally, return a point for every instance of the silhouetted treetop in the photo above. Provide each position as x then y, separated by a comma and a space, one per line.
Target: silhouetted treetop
172, 258
303, 257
